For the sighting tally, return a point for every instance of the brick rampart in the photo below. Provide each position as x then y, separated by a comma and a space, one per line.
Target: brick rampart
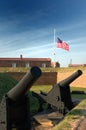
47, 78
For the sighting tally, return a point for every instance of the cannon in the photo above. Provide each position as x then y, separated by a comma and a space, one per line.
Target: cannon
14, 107
59, 97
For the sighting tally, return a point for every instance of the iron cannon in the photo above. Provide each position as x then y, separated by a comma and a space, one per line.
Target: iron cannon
14, 107
59, 97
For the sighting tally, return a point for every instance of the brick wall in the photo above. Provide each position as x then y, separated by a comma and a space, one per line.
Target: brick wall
47, 78
22, 63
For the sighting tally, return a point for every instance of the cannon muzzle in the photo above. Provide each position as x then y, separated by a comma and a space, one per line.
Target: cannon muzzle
70, 79
25, 84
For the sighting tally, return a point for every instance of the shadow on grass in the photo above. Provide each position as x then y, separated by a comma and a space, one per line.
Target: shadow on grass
76, 114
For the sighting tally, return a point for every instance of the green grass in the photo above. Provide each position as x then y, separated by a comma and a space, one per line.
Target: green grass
73, 116
38, 88
78, 96
78, 88
47, 88
6, 83
47, 69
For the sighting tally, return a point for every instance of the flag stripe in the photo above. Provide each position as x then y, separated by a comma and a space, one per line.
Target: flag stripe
62, 44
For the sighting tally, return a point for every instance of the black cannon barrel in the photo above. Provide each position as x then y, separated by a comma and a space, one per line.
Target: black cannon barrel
25, 83
70, 79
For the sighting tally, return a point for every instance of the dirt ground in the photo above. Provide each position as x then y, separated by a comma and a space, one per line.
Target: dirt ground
79, 82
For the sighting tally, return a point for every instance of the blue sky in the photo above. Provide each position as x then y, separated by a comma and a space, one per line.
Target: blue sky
27, 28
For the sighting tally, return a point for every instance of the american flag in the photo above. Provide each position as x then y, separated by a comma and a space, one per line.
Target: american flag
62, 44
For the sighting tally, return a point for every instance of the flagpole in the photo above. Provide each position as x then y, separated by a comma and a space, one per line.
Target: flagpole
54, 48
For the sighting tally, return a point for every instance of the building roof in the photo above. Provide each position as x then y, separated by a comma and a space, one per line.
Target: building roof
25, 59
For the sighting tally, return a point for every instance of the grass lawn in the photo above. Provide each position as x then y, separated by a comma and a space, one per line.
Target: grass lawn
78, 96
78, 88
72, 118
47, 88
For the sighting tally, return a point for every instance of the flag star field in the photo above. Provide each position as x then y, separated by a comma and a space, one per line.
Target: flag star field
27, 28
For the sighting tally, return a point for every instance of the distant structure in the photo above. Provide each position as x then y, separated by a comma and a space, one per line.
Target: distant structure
76, 65
27, 62
55, 64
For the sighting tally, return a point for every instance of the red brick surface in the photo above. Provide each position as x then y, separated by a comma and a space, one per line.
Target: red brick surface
47, 78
